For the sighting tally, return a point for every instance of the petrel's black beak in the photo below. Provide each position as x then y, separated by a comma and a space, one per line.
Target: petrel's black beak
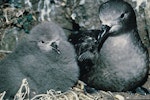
55, 47
103, 35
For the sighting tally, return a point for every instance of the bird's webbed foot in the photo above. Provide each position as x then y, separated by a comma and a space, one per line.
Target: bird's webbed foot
141, 91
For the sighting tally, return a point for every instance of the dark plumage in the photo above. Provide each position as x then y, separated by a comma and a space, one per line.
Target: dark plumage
86, 44
44, 58
85, 41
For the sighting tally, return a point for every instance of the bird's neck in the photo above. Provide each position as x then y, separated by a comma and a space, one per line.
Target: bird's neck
121, 41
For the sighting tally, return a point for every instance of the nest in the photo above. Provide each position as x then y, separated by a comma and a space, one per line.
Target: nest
76, 93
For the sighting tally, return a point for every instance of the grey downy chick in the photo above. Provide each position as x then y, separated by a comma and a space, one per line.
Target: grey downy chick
122, 63
46, 59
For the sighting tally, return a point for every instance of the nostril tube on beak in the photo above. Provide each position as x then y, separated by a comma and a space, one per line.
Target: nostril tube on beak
103, 35
104, 31
105, 28
55, 47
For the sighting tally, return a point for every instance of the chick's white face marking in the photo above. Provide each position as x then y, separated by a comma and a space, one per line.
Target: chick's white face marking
46, 46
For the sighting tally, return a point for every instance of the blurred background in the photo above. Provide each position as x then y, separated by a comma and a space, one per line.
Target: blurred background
17, 17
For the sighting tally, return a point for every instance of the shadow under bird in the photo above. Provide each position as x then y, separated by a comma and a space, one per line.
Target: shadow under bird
121, 61
45, 58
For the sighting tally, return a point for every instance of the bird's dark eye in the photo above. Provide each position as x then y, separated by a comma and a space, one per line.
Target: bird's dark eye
122, 15
42, 41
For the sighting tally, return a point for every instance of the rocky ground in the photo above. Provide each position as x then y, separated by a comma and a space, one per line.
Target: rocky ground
16, 20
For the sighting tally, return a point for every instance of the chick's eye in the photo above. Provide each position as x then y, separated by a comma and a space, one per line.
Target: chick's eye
122, 15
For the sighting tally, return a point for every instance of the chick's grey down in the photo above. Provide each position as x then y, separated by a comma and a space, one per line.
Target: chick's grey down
122, 62
44, 58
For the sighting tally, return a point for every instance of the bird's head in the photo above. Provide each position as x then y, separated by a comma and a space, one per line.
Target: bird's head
46, 36
118, 15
